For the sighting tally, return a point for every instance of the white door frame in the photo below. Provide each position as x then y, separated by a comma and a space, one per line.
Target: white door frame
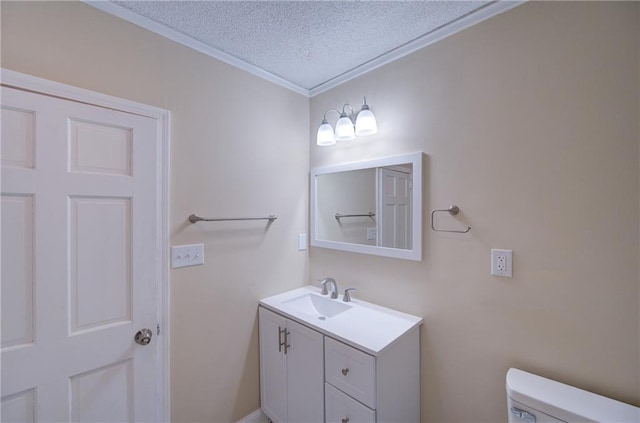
31, 83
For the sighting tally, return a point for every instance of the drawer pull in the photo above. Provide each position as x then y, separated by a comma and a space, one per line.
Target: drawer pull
344, 372
345, 420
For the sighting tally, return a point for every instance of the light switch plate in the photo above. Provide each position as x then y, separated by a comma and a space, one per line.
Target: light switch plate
187, 255
302, 242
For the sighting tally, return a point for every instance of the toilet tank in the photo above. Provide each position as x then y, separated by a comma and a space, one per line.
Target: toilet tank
535, 399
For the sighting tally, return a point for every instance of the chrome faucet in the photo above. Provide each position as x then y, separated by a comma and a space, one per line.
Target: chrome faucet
334, 291
347, 297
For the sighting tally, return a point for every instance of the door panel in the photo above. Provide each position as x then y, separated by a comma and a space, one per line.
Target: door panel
79, 247
101, 284
19, 407
18, 129
17, 267
114, 381
96, 148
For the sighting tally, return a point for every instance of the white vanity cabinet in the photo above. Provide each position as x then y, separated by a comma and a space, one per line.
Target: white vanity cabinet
361, 365
291, 370
361, 388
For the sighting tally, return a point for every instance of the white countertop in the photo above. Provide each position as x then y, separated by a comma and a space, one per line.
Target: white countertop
366, 326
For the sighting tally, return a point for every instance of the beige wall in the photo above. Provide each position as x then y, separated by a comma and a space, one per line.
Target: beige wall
529, 123
231, 155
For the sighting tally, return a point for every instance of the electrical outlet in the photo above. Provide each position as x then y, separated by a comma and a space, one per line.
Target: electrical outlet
187, 255
502, 263
372, 233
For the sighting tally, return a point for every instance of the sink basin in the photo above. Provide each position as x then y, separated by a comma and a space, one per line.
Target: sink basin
317, 306
362, 325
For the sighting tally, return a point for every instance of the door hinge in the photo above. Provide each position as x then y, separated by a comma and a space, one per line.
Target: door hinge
158, 329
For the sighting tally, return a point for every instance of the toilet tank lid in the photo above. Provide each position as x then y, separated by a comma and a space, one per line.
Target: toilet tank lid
566, 402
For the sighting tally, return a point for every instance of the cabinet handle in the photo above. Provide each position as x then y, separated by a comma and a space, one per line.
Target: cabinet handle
344, 372
280, 343
345, 420
286, 340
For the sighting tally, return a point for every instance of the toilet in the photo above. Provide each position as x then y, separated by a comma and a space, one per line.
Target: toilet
535, 399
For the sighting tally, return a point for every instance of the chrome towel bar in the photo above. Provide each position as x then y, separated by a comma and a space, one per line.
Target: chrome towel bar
340, 215
453, 210
195, 218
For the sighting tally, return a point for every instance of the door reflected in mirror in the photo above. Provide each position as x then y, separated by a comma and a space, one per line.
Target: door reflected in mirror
369, 207
366, 206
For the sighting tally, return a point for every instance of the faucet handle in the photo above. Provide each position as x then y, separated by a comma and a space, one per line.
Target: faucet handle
347, 297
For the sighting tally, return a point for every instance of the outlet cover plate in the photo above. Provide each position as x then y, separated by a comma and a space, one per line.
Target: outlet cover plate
502, 263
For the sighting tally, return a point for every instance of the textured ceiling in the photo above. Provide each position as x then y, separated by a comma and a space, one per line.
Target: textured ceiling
307, 43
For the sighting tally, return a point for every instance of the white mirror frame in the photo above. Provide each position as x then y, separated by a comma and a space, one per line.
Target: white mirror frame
416, 252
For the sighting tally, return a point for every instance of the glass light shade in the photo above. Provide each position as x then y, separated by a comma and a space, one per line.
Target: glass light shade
366, 123
344, 129
325, 134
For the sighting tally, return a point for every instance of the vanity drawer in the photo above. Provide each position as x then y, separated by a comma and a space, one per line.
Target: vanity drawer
351, 371
341, 408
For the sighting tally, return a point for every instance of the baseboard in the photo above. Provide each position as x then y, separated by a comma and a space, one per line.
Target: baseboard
256, 417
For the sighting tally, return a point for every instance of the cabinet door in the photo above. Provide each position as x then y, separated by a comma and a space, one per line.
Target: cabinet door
305, 378
273, 366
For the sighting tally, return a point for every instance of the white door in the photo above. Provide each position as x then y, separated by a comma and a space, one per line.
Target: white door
78, 258
395, 208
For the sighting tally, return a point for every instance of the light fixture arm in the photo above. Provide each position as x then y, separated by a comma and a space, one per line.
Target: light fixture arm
344, 114
324, 117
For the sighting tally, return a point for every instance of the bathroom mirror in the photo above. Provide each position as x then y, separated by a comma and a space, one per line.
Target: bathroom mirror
369, 207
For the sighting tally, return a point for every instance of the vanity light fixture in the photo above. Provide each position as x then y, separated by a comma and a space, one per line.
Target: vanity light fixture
348, 125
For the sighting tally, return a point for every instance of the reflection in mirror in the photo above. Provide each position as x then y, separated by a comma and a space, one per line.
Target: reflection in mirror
366, 206
369, 207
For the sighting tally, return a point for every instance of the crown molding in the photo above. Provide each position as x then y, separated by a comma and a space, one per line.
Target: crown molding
439, 34
434, 36
180, 38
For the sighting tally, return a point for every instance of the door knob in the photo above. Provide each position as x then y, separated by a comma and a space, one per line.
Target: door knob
143, 336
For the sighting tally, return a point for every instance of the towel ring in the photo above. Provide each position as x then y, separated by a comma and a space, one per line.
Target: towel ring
453, 210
